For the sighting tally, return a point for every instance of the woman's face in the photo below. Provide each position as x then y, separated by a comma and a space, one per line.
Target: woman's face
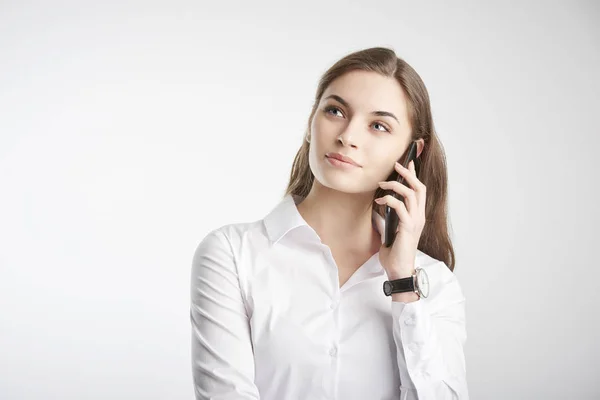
375, 142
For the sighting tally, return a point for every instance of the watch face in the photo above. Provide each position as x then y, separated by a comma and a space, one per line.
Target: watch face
423, 282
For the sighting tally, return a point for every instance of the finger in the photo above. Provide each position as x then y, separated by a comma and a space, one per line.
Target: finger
410, 176
411, 167
398, 206
408, 195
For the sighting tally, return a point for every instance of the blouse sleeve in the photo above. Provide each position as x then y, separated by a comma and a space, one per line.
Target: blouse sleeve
430, 338
222, 354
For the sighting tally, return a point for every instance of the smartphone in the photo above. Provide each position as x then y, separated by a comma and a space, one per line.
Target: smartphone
391, 216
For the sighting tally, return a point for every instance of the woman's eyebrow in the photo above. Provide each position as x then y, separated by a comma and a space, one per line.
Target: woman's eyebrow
345, 104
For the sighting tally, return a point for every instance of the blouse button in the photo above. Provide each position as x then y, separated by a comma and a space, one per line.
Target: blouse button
409, 321
333, 351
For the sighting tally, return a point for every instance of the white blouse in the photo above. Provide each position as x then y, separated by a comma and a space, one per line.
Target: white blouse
269, 320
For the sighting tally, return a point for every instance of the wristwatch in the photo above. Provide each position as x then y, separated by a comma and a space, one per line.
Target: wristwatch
418, 283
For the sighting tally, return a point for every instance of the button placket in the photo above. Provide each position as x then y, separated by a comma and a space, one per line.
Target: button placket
413, 347
333, 267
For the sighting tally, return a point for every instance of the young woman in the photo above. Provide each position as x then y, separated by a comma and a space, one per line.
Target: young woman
293, 306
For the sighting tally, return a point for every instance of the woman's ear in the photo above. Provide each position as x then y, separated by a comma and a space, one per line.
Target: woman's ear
420, 146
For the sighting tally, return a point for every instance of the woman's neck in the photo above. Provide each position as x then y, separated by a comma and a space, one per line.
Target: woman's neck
342, 220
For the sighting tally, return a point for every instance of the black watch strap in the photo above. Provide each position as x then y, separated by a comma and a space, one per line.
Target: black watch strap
399, 286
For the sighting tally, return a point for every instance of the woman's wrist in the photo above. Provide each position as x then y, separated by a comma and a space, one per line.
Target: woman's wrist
401, 273
406, 297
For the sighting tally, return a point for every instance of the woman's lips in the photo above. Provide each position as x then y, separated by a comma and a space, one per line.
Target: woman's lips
339, 163
342, 158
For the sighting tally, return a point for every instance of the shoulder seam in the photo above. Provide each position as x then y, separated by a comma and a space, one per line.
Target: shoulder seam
237, 270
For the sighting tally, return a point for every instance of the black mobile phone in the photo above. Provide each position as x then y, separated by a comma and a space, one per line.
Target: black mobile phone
391, 216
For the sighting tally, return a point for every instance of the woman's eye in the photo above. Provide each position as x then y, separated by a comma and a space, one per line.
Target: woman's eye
386, 129
332, 109
328, 109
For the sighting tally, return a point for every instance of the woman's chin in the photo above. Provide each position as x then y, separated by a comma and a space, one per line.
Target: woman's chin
346, 184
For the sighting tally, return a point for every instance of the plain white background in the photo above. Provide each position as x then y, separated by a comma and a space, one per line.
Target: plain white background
129, 130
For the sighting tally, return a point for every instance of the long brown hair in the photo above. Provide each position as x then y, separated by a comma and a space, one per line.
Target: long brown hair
431, 164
